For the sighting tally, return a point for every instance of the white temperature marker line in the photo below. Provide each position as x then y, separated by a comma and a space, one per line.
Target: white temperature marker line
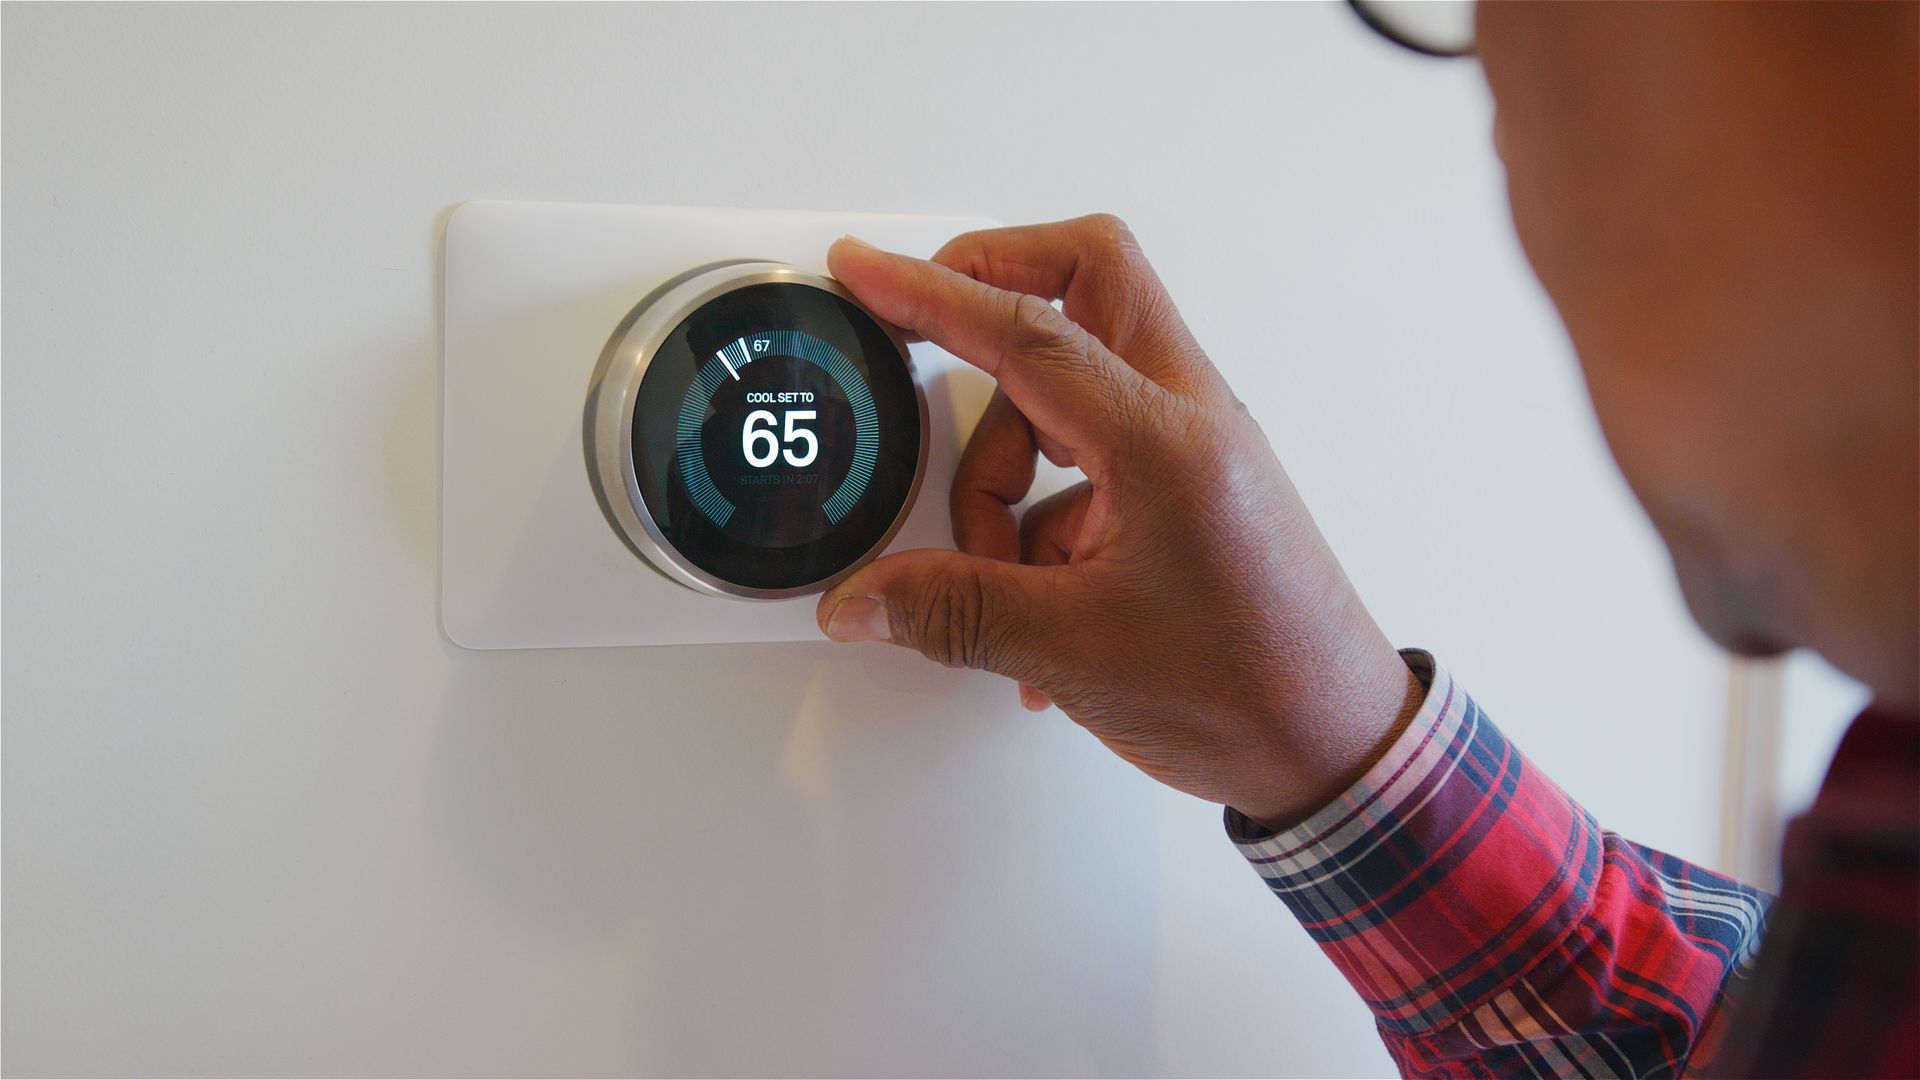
722, 354
746, 357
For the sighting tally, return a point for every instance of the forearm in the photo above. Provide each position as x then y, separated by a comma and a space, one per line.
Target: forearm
1487, 920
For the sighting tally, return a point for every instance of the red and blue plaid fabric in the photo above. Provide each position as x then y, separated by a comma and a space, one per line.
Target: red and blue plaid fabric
1496, 930
1837, 992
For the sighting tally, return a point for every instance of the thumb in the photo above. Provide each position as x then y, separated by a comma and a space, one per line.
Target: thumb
962, 610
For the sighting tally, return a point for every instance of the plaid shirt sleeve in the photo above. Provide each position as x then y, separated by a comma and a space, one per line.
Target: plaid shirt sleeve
1491, 925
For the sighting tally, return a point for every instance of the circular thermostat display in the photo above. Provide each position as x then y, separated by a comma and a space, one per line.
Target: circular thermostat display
755, 433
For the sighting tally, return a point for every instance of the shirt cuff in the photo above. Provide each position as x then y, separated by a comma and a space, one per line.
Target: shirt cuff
1440, 875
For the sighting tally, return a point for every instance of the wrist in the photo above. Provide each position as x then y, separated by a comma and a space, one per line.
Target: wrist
1329, 751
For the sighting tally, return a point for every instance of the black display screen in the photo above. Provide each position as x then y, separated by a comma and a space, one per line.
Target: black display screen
776, 435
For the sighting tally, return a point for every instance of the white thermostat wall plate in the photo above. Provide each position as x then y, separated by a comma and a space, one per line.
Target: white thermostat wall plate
534, 292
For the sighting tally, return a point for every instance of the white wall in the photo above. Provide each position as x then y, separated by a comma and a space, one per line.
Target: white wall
1817, 704
260, 818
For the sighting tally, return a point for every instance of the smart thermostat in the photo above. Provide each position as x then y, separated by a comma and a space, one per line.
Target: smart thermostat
753, 432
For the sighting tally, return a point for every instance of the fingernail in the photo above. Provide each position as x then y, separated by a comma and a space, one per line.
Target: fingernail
856, 241
858, 618
1033, 699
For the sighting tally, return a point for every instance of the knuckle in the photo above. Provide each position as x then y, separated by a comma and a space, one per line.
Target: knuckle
970, 253
1110, 240
950, 621
1110, 230
1122, 276
1047, 338
1040, 326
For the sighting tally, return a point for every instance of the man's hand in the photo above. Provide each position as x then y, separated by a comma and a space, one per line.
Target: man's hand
1179, 603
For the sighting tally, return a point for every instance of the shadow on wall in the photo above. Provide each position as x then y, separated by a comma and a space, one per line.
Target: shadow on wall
841, 855
817, 859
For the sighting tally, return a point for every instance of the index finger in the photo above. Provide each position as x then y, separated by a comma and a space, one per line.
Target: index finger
1095, 267
1063, 380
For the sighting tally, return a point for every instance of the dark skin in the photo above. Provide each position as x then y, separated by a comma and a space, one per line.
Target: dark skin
1721, 201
